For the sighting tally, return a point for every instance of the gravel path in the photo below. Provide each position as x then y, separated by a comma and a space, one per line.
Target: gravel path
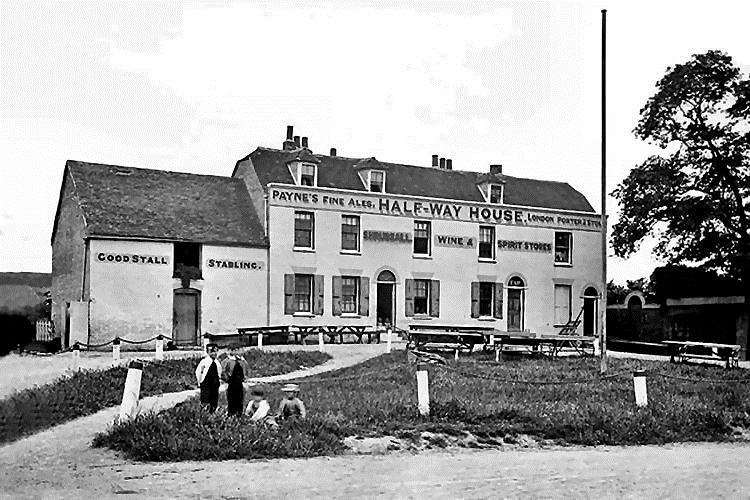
61, 458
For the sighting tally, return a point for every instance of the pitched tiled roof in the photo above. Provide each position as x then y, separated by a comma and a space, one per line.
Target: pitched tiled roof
156, 204
340, 172
36, 280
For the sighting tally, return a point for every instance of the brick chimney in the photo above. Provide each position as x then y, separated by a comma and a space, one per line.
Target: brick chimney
496, 169
442, 163
434, 161
289, 142
304, 142
296, 141
333, 152
449, 164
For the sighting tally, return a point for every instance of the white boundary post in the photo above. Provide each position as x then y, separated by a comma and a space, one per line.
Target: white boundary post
131, 392
423, 390
389, 339
76, 357
159, 348
321, 341
116, 349
639, 385
260, 340
455, 355
497, 355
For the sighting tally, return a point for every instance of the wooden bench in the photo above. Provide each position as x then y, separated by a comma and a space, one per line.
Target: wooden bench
682, 350
545, 345
271, 334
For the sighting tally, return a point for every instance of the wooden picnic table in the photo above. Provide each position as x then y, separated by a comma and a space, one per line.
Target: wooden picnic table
549, 345
273, 334
334, 331
459, 337
681, 350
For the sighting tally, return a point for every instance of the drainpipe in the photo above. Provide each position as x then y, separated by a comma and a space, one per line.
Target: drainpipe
268, 261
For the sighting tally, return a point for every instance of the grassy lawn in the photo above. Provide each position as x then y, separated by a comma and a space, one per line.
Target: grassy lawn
383, 402
87, 392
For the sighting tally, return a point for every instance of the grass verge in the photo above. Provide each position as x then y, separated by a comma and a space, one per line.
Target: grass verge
86, 392
383, 402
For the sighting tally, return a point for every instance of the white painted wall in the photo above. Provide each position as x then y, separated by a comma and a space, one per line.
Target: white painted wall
134, 301
456, 268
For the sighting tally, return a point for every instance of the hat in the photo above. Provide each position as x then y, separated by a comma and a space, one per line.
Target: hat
256, 390
290, 388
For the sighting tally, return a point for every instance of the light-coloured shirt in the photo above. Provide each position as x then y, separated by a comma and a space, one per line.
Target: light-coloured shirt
259, 411
204, 365
292, 407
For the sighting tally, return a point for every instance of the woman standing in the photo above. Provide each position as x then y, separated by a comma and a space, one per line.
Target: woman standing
234, 370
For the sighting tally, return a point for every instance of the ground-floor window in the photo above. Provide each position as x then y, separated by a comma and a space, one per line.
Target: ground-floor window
563, 294
486, 299
423, 297
349, 294
303, 293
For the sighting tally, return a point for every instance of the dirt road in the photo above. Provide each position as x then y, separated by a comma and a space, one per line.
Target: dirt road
679, 471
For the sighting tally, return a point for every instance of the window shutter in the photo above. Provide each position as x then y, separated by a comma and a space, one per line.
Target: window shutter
498, 300
289, 294
435, 298
409, 296
475, 299
336, 306
318, 294
364, 296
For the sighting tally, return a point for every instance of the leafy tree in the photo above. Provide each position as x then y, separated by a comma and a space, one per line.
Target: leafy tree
694, 197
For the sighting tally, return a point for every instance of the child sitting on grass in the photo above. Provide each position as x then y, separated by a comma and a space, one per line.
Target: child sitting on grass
291, 406
258, 409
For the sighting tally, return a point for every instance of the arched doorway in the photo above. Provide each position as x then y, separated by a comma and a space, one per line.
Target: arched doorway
590, 306
186, 308
386, 300
516, 303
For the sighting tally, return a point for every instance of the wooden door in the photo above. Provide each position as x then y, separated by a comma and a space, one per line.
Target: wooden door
185, 317
385, 307
515, 310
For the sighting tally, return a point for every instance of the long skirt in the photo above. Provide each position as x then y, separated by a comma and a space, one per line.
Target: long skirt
235, 398
210, 396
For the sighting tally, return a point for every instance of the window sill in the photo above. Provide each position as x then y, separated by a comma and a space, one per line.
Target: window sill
422, 317
304, 249
421, 256
487, 260
350, 252
303, 315
563, 264
350, 315
486, 318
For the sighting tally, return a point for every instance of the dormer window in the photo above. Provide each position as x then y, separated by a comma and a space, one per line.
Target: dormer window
495, 193
308, 174
376, 181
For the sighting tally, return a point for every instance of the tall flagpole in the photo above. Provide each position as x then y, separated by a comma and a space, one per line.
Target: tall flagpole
603, 312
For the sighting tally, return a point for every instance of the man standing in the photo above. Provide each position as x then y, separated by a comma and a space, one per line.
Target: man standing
234, 368
208, 374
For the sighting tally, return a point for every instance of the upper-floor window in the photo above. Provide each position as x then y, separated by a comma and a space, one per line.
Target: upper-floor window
308, 175
486, 242
304, 230
187, 260
350, 232
495, 193
563, 247
377, 181
422, 237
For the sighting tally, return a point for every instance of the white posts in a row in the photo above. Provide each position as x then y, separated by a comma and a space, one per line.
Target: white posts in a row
260, 340
389, 339
132, 391
639, 385
116, 349
320, 341
76, 357
423, 390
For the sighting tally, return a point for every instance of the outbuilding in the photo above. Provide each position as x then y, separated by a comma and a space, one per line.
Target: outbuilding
138, 253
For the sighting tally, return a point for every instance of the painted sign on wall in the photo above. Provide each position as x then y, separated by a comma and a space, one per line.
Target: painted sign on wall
299, 196
524, 246
446, 240
235, 264
132, 258
386, 236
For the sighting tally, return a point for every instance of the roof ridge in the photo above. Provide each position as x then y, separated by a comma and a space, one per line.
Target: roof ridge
144, 169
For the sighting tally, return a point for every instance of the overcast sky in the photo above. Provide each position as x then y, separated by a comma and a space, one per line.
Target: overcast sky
194, 87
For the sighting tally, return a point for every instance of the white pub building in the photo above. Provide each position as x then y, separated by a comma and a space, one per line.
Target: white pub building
297, 238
